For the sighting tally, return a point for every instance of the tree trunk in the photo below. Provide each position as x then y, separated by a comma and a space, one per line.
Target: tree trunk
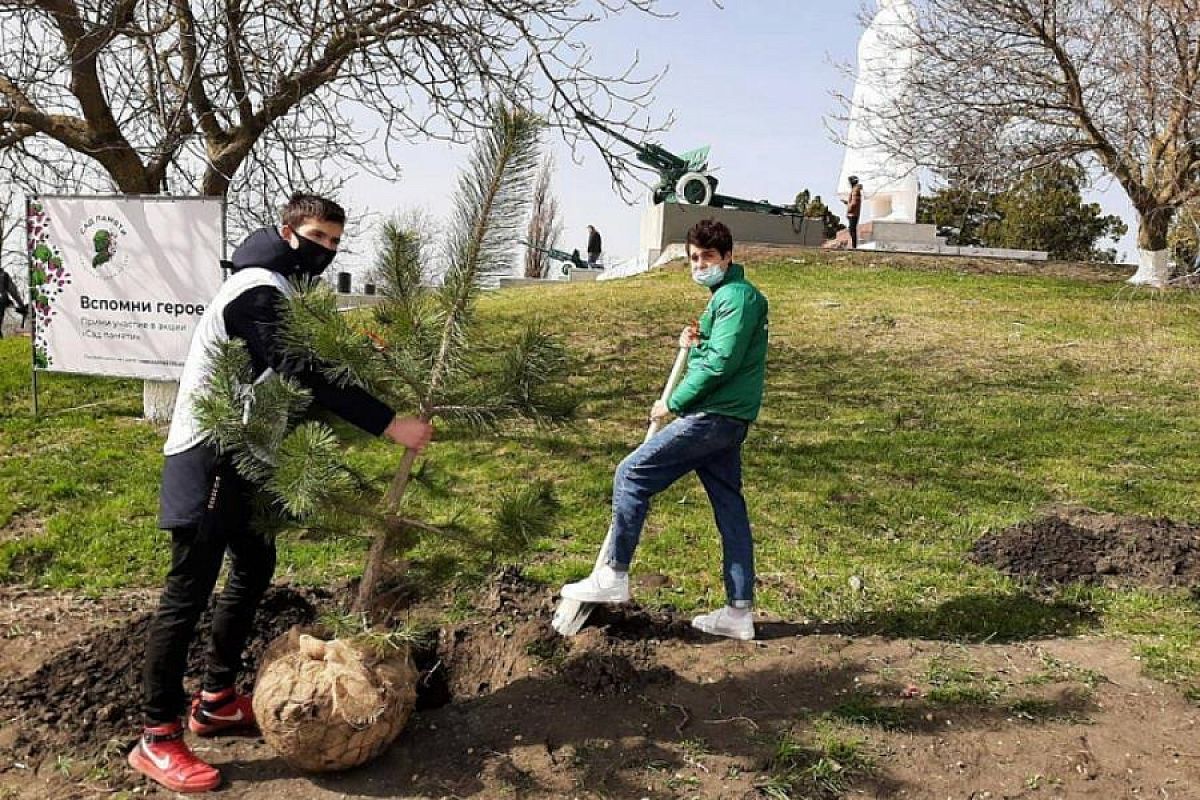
386, 538
158, 400
1154, 268
224, 162
130, 176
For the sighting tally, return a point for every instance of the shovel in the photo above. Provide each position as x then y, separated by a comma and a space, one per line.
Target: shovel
570, 615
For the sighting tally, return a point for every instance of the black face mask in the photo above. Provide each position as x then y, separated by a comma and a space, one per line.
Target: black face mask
312, 257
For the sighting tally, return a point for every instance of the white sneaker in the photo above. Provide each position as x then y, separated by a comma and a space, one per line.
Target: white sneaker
735, 623
604, 585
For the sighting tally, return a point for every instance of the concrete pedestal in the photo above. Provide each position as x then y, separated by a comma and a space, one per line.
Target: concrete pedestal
907, 237
883, 232
668, 223
573, 275
347, 301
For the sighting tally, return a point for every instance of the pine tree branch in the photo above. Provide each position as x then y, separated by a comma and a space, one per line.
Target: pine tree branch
493, 194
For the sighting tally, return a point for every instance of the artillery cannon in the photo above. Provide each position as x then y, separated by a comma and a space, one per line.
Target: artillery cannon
572, 259
685, 178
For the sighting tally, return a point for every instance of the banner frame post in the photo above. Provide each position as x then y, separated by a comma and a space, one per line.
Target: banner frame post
33, 370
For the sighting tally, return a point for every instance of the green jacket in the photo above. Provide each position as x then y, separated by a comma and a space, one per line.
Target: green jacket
726, 369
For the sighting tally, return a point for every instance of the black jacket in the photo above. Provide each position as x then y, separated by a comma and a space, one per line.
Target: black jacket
255, 317
594, 248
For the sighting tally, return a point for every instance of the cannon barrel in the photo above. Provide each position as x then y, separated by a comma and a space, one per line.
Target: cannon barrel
557, 255
650, 154
682, 178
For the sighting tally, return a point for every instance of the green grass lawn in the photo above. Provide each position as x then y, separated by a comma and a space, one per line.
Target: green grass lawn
908, 412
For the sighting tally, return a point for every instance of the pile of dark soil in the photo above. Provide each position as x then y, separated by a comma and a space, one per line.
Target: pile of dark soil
512, 639
610, 671
1083, 546
86, 699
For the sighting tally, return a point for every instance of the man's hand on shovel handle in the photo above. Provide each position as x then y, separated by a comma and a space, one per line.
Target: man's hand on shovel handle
690, 336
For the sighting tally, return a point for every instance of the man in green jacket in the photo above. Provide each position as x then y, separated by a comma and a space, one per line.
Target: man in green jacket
716, 402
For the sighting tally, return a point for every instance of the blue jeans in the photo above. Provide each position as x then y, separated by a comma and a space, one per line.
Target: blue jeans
711, 446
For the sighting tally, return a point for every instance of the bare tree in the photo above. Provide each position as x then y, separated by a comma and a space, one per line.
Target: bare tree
1111, 84
545, 223
11, 218
260, 96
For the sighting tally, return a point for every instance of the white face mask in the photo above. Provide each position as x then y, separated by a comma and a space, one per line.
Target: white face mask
709, 275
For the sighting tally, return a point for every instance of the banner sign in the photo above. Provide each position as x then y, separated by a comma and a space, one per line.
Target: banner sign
117, 284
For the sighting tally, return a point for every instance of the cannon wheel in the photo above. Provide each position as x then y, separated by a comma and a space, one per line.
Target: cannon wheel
694, 189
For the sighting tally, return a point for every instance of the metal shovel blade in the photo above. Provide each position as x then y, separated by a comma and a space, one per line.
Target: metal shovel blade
570, 616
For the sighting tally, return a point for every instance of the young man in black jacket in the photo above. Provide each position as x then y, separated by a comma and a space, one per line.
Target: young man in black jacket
206, 504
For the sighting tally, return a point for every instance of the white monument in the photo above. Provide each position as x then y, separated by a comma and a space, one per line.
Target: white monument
885, 62
887, 54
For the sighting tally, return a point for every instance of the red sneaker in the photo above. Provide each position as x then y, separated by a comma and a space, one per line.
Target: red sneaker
162, 756
225, 711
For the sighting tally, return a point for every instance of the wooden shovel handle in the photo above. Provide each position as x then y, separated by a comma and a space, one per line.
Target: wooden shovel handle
672, 382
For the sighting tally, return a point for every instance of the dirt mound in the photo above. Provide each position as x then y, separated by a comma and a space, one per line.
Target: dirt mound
509, 639
86, 699
606, 670
613, 654
1084, 546
634, 623
83, 702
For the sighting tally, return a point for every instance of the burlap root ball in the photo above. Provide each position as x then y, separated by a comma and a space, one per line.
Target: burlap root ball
331, 705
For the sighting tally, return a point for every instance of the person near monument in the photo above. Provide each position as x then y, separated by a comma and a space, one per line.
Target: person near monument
594, 248
886, 60
853, 210
207, 506
716, 402
9, 297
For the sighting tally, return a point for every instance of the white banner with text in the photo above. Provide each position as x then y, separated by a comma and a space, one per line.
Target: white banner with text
117, 284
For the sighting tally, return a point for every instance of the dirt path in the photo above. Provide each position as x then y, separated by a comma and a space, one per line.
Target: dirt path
643, 707
709, 730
